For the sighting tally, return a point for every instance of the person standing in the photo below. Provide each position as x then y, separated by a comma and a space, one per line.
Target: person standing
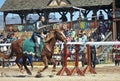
101, 16
93, 54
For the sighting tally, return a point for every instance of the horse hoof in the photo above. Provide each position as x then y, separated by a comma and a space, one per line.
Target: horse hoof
53, 70
2, 74
40, 71
51, 76
22, 71
31, 69
29, 73
38, 75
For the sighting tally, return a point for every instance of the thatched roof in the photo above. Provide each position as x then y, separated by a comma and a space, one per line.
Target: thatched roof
17, 5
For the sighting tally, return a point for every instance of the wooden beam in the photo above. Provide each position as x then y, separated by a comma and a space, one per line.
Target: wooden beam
114, 22
4, 19
85, 13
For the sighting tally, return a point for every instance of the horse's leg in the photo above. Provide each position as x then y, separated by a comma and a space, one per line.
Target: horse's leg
19, 65
25, 65
45, 61
54, 64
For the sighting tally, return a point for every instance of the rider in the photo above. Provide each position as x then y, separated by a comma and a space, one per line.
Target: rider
39, 33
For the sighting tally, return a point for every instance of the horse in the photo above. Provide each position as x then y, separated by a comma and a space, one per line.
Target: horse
48, 49
46, 54
16, 50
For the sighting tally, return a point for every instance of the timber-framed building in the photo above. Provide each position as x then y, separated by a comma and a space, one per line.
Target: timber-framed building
45, 7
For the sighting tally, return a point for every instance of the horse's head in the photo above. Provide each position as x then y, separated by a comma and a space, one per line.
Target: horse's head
59, 35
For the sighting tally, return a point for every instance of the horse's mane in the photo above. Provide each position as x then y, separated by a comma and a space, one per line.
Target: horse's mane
50, 35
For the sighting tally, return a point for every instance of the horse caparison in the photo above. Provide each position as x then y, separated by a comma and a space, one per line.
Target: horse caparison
46, 55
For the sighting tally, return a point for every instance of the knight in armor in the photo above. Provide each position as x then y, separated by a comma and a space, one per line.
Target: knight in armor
39, 33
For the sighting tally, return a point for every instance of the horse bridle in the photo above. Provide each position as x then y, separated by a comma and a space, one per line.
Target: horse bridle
47, 47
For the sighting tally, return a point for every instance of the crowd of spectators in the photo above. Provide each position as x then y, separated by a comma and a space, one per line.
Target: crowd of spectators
10, 37
79, 35
6, 38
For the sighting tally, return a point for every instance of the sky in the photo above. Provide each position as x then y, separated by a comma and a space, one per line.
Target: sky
1, 2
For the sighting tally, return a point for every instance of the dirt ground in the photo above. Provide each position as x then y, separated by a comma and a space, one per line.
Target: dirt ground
105, 72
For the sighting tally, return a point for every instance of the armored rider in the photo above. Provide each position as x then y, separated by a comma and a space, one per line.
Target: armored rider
39, 33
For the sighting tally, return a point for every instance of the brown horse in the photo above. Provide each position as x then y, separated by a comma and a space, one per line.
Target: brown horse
16, 50
47, 52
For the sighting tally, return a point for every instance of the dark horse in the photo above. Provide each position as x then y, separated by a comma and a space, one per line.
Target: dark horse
46, 55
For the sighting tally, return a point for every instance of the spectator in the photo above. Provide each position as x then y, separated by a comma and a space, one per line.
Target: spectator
67, 33
116, 48
64, 26
93, 54
101, 16
84, 37
102, 29
2, 36
73, 33
73, 52
13, 37
56, 49
73, 39
80, 38
8, 36
69, 38
117, 60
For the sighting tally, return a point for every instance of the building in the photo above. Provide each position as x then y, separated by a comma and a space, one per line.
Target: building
45, 7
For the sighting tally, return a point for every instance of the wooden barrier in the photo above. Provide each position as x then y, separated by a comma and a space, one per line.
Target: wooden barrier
64, 68
89, 67
76, 68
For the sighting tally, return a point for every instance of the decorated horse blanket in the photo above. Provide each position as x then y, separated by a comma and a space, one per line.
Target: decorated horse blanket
29, 47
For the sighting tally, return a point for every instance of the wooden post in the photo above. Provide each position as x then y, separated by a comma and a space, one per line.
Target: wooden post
114, 22
89, 67
4, 20
76, 68
64, 68
3, 64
